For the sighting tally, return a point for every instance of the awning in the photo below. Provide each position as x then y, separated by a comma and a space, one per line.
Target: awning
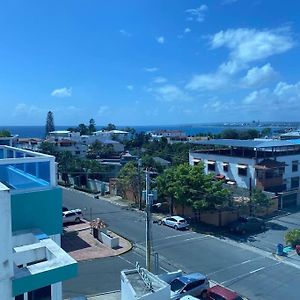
225, 164
196, 160
211, 162
242, 166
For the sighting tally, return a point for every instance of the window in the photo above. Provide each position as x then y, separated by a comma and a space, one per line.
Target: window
225, 167
294, 182
295, 165
242, 170
211, 166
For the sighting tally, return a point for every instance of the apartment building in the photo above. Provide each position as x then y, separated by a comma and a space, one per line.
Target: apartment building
32, 263
271, 165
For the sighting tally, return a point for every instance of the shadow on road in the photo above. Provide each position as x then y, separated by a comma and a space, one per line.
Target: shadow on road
72, 242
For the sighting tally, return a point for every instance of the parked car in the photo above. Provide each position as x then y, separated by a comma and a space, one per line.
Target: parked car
194, 284
64, 208
176, 222
247, 224
73, 216
218, 292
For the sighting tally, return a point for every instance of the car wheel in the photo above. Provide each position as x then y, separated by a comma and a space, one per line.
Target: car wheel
262, 227
163, 223
203, 295
176, 227
77, 220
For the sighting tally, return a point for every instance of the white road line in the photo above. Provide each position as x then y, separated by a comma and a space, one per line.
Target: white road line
257, 270
128, 261
235, 265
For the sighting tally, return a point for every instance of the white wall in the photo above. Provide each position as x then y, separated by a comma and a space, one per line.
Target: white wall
242, 181
6, 262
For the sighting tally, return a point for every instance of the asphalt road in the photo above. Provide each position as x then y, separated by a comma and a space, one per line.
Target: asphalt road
252, 271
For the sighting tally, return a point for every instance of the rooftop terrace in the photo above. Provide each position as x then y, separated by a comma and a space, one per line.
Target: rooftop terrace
26, 170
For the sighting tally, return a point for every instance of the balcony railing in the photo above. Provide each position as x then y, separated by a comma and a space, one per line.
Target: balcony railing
21, 169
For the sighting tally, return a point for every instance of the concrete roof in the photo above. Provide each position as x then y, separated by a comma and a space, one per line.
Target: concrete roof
256, 143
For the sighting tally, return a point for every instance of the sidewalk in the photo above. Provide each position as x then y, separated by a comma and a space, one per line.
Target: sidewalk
107, 296
79, 243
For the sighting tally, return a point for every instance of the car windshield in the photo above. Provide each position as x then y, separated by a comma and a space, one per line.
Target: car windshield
177, 285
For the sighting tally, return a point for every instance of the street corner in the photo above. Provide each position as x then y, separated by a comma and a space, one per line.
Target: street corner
79, 242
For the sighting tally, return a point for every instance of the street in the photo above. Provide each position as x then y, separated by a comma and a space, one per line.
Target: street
252, 271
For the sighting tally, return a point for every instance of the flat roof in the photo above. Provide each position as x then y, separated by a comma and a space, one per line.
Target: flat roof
259, 143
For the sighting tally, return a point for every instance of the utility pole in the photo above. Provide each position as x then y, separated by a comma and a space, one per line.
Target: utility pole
250, 196
139, 183
148, 222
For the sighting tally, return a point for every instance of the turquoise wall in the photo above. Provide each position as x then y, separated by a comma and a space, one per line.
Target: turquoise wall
40, 209
33, 282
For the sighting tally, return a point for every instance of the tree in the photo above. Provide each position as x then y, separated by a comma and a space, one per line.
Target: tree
83, 129
189, 186
292, 237
48, 148
92, 126
259, 199
129, 180
230, 134
109, 127
99, 150
5, 133
266, 132
49, 123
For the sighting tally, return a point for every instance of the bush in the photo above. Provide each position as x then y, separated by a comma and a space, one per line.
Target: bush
292, 237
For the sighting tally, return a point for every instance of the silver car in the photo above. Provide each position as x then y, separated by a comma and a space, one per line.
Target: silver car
176, 222
73, 216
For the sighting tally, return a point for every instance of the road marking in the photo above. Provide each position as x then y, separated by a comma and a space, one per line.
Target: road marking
257, 270
128, 261
235, 265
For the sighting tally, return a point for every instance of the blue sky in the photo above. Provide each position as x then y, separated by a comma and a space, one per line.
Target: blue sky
149, 62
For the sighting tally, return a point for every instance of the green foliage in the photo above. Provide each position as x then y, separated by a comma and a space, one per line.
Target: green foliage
129, 179
260, 199
48, 148
100, 150
239, 134
92, 126
49, 123
292, 237
190, 186
266, 132
5, 133
110, 127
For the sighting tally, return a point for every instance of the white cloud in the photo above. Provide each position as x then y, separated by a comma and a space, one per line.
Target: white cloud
211, 81
125, 33
160, 40
102, 110
284, 96
187, 30
129, 87
258, 76
62, 93
23, 109
151, 70
248, 45
197, 14
159, 79
170, 92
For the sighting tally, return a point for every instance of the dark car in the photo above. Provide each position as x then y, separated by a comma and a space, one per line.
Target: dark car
247, 225
221, 293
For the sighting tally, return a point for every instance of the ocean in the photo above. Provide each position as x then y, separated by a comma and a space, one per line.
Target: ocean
39, 131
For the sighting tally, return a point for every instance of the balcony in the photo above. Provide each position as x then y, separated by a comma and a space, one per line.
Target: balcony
26, 170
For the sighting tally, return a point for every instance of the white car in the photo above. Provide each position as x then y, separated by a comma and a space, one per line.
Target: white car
72, 216
194, 284
176, 222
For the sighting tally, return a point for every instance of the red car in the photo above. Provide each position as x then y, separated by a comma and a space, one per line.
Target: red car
218, 292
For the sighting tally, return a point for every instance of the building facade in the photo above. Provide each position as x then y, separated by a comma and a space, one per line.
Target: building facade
270, 165
33, 265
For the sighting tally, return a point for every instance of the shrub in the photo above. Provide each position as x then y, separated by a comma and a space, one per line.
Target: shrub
292, 237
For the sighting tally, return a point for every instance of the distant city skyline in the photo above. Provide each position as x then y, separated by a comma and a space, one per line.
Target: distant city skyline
143, 63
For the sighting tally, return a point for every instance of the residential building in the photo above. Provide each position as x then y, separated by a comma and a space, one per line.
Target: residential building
77, 144
271, 165
8, 141
33, 265
169, 134
29, 143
